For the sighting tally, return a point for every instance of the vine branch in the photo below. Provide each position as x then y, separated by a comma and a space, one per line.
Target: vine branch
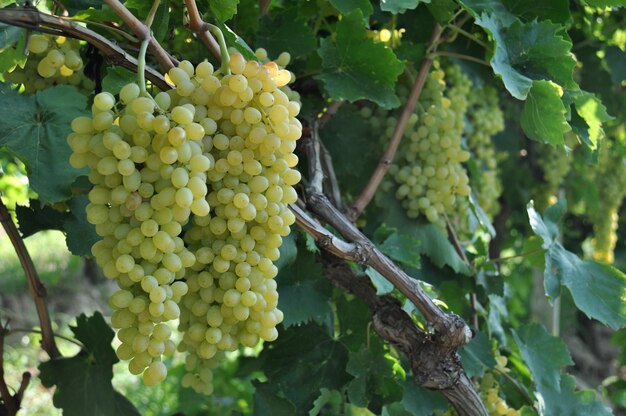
383, 165
201, 29
142, 32
11, 403
36, 287
34, 19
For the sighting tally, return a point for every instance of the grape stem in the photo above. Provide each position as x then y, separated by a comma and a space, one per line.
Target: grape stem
224, 55
142, 32
201, 29
468, 35
141, 65
11, 403
37, 289
460, 56
37, 331
383, 165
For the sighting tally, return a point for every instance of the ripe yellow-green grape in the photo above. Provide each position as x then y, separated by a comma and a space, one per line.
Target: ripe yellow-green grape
52, 60
485, 120
610, 181
190, 198
428, 170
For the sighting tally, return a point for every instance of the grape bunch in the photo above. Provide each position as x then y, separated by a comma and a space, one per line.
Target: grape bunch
485, 120
610, 181
490, 392
428, 169
52, 60
555, 162
190, 198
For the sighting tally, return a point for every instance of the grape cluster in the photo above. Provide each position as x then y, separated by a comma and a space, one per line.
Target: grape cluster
555, 163
52, 60
485, 120
190, 196
496, 405
610, 181
428, 169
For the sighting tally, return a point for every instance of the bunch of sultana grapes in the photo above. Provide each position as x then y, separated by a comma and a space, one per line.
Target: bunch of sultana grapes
428, 169
610, 180
52, 60
555, 163
485, 120
216, 142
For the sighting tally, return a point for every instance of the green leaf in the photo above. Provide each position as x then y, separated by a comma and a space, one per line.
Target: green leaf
11, 56
597, 289
382, 285
606, 3
495, 8
436, 246
267, 403
346, 6
116, 77
81, 235
304, 292
543, 117
421, 402
237, 41
35, 128
357, 68
224, 9
616, 63
373, 383
286, 32
529, 51
568, 401
83, 382
9, 35
400, 6
557, 11
327, 398
38, 217
477, 356
592, 112
303, 360
402, 248
544, 355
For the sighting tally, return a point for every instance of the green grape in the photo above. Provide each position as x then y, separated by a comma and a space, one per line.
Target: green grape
485, 120
52, 60
193, 235
610, 181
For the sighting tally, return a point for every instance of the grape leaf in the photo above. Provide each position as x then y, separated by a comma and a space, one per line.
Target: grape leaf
373, 384
477, 356
382, 285
357, 68
529, 51
326, 398
597, 289
116, 77
400, 6
495, 8
237, 41
304, 292
303, 360
80, 234
83, 382
35, 128
346, 6
592, 112
38, 217
543, 117
568, 401
421, 402
616, 61
12, 49
9, 35
224, 9
606, 3
286, 32
402, 248
266, 402
544, 355
557, 11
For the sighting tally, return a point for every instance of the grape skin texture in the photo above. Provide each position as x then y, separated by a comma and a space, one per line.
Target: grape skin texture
191, 200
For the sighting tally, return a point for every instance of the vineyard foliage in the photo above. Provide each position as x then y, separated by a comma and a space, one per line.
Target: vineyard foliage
270, 249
